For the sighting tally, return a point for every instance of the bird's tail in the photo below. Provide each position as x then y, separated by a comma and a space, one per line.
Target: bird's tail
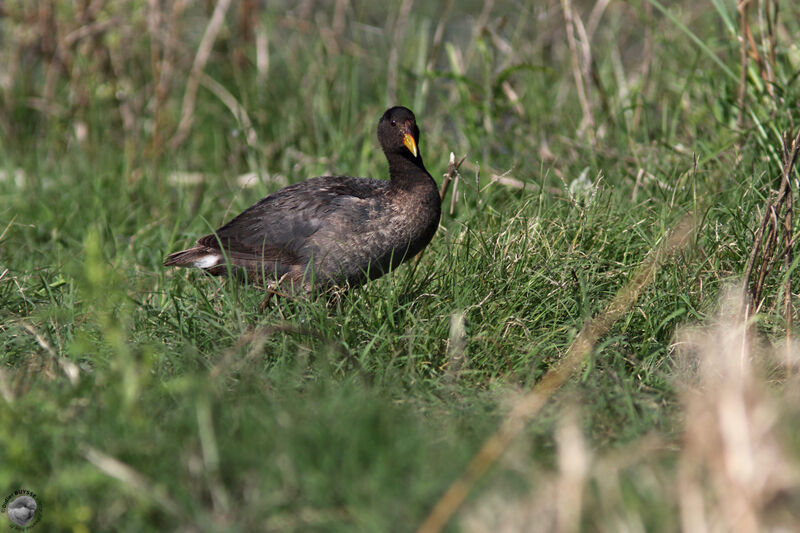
197, 257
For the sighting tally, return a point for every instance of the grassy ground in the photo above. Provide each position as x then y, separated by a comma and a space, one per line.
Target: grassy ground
138, 398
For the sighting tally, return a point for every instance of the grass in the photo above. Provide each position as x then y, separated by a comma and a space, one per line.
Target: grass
139, 398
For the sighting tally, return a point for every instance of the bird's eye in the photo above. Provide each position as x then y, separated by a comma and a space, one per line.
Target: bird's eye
394, 122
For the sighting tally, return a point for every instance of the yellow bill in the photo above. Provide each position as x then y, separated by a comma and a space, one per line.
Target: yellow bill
410, 143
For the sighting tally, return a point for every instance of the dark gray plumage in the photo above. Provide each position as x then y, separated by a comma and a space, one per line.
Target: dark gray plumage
332, 230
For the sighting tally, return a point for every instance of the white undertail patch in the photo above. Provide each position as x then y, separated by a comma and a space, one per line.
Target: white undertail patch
207, 261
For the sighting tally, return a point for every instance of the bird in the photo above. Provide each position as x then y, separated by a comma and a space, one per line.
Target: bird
332, 230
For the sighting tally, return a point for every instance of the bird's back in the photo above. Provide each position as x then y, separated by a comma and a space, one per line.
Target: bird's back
328, 229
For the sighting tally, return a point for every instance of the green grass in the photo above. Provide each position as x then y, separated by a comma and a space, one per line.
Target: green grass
190, 410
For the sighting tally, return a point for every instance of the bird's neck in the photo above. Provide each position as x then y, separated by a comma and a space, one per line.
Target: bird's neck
406, 171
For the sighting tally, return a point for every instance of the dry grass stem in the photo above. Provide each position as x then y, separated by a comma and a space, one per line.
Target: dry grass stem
595, 17
456, 347
236, 109
162, 63
742, 7
647, 61
115, 468
778, 219
764, 57
768, 34
5, 388
454, 194
262, 53
580, 68
573, 465
508, 181
790, 151
451, 174
200, 59
637, 184
394, 54
732, 458
555, 500
532, 402
69, 368
434, 52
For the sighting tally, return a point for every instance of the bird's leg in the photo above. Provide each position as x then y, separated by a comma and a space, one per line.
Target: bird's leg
265, 301
334, 295
272, 290
270, 293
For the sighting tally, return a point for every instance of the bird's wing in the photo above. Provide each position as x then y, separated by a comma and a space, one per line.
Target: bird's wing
280, 227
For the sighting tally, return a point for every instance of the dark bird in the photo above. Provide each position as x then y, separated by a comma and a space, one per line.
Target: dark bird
331, 230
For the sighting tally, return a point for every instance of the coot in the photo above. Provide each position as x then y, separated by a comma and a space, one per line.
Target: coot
331, 230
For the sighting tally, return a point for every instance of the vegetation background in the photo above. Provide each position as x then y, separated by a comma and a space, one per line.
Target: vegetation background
139, 398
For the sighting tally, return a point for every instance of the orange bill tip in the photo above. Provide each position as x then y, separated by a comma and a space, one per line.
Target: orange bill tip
410, 143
